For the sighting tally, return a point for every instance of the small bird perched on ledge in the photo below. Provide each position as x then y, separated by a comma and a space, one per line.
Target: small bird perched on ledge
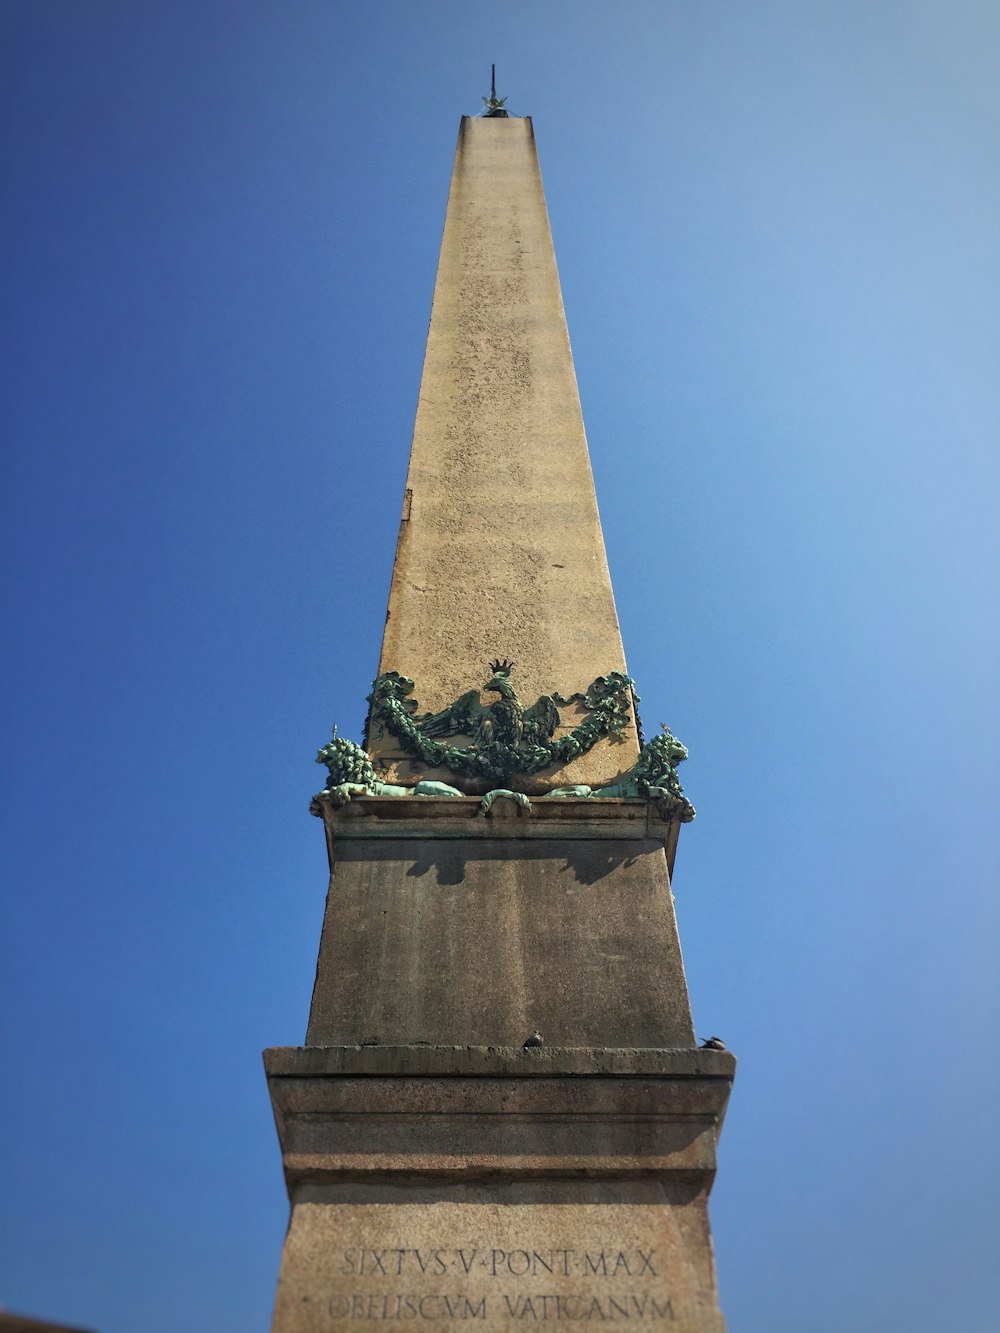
536, 1039
713, 1044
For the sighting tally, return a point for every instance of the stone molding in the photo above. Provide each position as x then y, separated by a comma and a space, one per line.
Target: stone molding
344, 1113
420, 1061
581, 818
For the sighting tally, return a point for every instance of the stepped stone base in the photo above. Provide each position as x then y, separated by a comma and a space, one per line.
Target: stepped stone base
497, 1187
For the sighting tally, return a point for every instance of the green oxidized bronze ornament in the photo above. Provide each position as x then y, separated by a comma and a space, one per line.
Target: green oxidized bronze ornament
351, 773
653, 775
507, 737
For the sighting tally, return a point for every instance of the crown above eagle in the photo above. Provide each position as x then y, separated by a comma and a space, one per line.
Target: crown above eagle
503, 668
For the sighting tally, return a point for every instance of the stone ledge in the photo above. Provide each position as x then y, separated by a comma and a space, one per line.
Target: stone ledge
335, 1123
551, 818
690, 1100
461, 817
412, 1061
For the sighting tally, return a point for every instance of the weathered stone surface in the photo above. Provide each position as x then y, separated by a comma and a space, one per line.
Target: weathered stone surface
499, 1256
500, 550
479, 941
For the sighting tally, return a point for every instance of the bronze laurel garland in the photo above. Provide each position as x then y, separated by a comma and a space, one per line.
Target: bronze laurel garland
508, 738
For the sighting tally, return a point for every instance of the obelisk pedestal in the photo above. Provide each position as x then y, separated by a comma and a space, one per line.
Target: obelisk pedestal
439, 1168
447, 1177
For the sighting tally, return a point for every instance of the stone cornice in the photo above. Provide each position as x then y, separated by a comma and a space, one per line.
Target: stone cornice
550, 817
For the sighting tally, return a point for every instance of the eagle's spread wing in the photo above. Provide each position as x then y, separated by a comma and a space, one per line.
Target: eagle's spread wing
460, 718
541, 720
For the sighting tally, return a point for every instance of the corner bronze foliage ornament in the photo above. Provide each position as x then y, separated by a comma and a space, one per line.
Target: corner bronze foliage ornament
507, 737
653, 775
353, 774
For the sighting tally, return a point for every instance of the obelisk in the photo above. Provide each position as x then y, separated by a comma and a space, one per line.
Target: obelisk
500, 1114
500, 548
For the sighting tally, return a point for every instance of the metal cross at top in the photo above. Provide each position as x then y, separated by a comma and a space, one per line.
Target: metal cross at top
494, 106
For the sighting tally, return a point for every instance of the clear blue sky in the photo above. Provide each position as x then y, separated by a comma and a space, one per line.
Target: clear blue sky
777, 227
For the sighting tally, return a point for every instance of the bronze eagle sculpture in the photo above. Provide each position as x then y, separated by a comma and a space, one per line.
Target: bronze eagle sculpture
505, 722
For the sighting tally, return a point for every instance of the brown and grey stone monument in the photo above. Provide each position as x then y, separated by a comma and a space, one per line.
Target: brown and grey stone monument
501, 1115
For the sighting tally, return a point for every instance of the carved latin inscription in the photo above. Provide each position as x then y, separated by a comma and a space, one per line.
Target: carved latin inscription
619, 1265
412, 1292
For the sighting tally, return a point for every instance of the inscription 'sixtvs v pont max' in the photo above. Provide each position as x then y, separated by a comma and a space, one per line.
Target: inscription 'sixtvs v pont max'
399, 1260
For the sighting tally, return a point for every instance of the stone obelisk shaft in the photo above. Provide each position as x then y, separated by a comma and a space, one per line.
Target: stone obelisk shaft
500, 549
